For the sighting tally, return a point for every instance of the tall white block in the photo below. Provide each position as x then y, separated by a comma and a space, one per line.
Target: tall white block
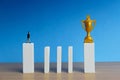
28, 57
70, 59
59, 55
46, 59
89, 58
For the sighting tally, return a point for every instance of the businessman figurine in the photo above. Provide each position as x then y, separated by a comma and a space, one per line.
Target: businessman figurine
28, 37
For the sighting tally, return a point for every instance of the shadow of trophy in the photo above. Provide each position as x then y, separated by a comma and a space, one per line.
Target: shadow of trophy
28, 77
89, 76
59, 77
46, 76
70, 77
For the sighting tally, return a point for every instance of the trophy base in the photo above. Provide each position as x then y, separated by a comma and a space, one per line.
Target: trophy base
88, 39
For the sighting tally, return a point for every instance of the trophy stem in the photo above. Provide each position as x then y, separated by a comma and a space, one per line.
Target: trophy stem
88, 34
88, 38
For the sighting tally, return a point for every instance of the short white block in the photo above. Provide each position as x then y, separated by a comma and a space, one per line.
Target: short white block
46, 59
70, 60
28, 57
59, 55
89, 58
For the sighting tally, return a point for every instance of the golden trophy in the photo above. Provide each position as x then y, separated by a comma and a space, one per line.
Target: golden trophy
88, 27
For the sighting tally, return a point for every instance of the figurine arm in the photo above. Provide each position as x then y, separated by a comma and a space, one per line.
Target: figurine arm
83, 25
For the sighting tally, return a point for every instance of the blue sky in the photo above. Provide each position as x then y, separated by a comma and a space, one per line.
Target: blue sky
57, 23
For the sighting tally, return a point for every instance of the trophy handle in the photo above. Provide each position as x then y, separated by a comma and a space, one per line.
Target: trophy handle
83, 25
94, 21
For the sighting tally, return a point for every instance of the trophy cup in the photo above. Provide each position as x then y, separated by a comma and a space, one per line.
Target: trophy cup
88, 27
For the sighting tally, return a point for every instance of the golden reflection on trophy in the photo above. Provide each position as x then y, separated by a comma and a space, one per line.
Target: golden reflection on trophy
88, 27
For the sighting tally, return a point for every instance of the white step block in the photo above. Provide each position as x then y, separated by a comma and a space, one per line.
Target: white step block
46, 59
70, 59
59, 55
89, 58
28, 57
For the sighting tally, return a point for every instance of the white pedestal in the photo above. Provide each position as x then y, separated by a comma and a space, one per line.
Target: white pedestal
70, 60
89, 58
59, 55
46, 59
28, 57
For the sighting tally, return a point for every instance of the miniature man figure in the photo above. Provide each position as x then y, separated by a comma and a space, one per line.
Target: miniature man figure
28, 37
